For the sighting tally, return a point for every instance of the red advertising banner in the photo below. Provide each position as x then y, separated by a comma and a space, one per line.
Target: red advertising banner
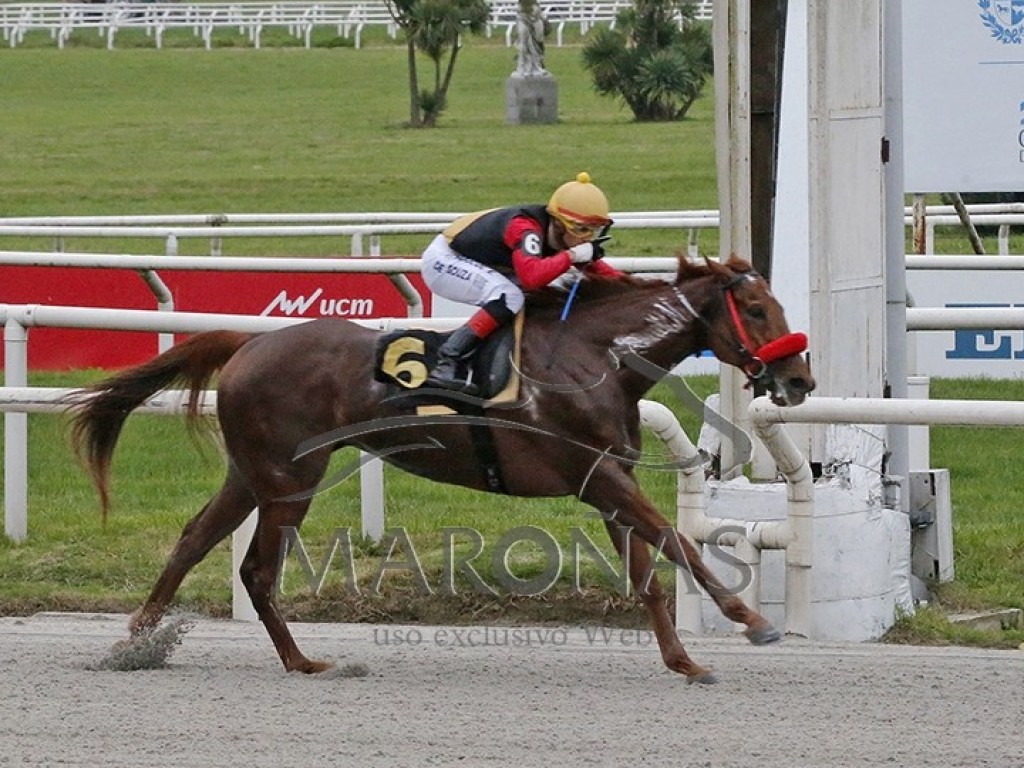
307, 295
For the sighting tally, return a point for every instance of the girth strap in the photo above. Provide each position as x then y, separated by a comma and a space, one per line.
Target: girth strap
487, 455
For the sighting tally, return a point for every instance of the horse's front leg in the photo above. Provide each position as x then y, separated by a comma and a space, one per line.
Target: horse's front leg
616, 494
634, 551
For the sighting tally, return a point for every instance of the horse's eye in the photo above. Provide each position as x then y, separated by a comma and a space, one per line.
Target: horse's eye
756, 311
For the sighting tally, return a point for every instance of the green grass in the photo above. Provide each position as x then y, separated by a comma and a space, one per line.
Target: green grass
279, 130
131, 131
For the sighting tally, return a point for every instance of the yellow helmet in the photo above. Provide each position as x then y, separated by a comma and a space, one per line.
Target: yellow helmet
581, 206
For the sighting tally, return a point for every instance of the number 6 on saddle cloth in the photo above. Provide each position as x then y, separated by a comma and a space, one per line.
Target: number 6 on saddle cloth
403, 360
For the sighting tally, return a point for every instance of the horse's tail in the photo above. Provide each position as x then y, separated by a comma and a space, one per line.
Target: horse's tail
101, 409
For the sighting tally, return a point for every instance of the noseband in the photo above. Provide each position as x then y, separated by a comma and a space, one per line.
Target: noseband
756, 360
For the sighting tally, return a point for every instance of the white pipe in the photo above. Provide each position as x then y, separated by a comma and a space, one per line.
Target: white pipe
39, 315
282, 230
798, 527
164, 303
268, 264
241, 605
15, 434
439, 218
965, 261
953, 318
919, 454
693, 520
864, 410
690, 509
794, 534
371, 497
1005, 217
169, 402
206, 263
945, 213
306, 230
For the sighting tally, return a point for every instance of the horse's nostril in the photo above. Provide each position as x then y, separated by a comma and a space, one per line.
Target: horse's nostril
800, 384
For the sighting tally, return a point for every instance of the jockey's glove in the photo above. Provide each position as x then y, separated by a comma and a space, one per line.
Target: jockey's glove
584, 253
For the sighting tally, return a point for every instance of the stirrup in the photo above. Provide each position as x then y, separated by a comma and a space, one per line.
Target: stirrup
453, 384
446, 376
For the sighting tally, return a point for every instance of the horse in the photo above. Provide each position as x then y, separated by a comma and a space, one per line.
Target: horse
288, 398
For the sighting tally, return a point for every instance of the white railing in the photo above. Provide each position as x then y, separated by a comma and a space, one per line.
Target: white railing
369, 227
300, 19
359, 227
16, 319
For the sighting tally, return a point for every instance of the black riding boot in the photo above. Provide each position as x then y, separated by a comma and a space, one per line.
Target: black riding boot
450, 357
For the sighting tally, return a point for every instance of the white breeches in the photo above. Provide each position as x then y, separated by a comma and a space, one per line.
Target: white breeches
455, 277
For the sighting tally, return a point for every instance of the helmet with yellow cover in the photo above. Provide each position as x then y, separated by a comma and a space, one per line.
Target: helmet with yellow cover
581, 207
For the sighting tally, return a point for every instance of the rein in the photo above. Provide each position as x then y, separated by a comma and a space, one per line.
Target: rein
757, 359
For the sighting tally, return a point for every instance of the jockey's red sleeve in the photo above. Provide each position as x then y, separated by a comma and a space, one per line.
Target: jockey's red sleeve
526, 238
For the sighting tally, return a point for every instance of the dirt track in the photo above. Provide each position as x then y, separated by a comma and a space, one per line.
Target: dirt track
563, 699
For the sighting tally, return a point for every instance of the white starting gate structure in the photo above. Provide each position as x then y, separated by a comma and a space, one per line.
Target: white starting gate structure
839, 263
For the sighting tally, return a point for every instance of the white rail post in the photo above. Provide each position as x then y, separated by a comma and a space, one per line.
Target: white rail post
15, 435
690, 511
241, 605
799, 521
371, 494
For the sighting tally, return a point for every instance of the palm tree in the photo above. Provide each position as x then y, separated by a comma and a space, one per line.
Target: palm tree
656, 59
435, 27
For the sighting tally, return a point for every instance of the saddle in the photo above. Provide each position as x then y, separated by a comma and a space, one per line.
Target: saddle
403, 359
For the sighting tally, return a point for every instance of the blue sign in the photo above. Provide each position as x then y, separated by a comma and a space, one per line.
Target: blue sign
986, 344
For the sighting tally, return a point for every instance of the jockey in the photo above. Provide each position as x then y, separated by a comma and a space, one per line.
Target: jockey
490, 258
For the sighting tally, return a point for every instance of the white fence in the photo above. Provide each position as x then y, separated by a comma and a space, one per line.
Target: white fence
16, 319
349, 18
366, 229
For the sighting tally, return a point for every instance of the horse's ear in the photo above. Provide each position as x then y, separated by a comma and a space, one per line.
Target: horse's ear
736, 264
689, 268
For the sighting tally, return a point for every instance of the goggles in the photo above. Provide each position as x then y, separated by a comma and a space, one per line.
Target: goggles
577, 229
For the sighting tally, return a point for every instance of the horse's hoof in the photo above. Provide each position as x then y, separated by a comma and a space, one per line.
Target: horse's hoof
765, 635
703, 677
309, 667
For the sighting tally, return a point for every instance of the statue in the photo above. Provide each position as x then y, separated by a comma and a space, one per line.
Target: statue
531, 92
531, 26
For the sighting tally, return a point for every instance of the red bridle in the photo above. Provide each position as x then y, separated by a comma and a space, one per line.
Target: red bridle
758, 359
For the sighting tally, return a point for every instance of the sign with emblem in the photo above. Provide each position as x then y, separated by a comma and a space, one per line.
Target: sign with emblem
963, 95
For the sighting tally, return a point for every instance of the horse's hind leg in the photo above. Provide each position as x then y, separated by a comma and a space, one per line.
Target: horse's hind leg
259, 573
645, 582
221, 515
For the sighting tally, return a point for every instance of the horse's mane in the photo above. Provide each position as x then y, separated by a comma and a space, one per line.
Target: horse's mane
593, 288
590, 289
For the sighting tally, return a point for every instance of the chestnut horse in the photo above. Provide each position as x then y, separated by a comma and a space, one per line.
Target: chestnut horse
287, 399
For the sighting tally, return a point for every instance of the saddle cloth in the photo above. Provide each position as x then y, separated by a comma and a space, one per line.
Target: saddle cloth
404, 359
